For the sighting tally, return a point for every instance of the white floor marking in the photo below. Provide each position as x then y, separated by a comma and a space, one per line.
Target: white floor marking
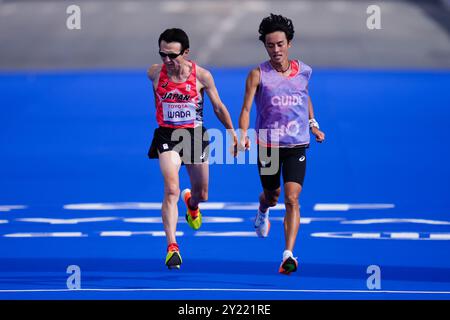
231, 290
234, 206
7, 208
305, 220
115, 206
390, 220
365, 235
440, 236
143, 220
45, 235
212, 205
67, 221
348, 206
3, 221
426, 236
222, 220
135, 233
226, 234
405, 235
181, 220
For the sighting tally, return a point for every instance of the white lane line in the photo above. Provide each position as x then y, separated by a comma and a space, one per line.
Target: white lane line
7, 208
135, 233
143, 220
343, 235
389, 220
415, 236
405, 235
226, 234
365, 235
67, 221
238, 206
234, 206
231, 290
348, 206
305, 220
205, 220
115, 206
46, 235
439, 236
212, 205
222, 220
3, 221
347, 235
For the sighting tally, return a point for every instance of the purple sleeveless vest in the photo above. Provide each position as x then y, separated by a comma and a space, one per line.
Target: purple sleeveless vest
282, 107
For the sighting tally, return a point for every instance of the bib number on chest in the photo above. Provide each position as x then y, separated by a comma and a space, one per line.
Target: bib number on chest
178, 112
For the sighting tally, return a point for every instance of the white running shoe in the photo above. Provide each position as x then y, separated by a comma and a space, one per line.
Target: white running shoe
262, 224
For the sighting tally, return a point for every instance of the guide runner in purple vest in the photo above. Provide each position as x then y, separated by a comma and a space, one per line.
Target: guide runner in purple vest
284, 116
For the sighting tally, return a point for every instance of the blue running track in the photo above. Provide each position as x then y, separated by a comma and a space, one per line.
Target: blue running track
76, 188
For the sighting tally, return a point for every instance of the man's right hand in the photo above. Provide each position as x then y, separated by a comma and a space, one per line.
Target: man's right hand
244, 143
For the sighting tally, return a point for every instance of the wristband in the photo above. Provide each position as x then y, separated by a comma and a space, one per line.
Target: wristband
313, 124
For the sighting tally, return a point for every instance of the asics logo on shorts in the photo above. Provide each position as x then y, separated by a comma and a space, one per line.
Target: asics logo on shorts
203, 156
301, 159
165, 146
264, 163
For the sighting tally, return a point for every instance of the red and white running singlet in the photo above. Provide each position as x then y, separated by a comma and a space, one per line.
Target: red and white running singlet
178, 105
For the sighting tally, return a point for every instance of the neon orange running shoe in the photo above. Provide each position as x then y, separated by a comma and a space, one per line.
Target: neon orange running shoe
173, 257
288, 266
193, 217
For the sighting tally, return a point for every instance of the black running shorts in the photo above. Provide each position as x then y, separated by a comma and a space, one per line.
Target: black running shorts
292, 162
192, 144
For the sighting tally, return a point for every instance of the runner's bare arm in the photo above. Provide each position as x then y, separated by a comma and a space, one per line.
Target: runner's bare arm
251, 86
153, 72
320, 136
220, 109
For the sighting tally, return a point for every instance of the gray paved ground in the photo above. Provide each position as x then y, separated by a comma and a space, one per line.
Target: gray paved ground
123, 34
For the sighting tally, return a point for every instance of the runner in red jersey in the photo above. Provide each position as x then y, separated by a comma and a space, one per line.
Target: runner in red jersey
178, 105
181, 138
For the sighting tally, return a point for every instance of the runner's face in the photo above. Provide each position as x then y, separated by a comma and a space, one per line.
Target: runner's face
277, 46
172, 47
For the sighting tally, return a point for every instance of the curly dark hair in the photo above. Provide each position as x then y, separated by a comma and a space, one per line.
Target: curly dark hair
274, 23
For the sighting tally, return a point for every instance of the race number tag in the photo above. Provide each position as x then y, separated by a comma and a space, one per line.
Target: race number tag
178, 112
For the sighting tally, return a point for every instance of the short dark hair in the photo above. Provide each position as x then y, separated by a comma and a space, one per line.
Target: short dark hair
175, 35
274, 23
